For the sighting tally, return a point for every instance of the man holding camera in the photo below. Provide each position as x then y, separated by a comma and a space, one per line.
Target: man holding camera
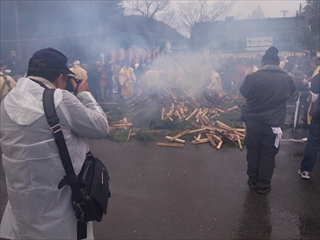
37, 209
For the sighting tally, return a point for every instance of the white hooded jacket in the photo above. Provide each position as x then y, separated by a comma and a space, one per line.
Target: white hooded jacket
37, 209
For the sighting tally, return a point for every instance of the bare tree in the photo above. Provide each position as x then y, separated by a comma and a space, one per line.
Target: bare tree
151, 10
148, 8
201, 11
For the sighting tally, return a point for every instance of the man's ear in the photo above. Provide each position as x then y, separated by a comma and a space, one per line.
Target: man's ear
60, 82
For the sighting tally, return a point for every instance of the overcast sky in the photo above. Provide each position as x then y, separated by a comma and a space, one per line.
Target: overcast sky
270, 8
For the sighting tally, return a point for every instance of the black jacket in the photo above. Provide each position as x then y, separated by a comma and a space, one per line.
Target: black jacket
266, 92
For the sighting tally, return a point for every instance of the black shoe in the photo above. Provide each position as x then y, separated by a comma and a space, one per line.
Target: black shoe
264, 190
252, 185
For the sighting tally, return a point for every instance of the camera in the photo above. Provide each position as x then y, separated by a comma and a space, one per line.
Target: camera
69, 85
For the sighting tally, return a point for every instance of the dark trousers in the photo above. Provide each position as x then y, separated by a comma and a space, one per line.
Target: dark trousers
261, 153
312, 147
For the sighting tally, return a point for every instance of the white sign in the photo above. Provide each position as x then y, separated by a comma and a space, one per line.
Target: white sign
259, 42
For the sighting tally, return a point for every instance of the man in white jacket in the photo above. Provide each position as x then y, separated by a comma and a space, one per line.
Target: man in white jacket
36, 208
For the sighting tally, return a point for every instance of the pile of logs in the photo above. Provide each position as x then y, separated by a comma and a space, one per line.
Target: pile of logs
216, 135
182, 106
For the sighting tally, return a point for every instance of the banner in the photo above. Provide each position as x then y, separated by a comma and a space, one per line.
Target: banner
121, 54
136, 53
113, 55
130, 53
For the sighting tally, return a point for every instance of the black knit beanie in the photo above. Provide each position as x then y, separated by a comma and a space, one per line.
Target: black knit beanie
271, 56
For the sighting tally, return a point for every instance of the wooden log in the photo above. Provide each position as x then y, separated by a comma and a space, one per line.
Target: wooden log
157, 132
220, 110
124, 120
162, 144
232, 108
225, 137
223, 125
129, 135
240, 129
179, 135
168, 116
199, 136
210, 128
207, 121
144, 103
171, 110
139, 111
203, 140
178, 115
240, 134
182, 113
239, 143
176, 140
197, 116
198, 130
219, 145
216, 138
201, 120
195, 125
162, 113
204, 112
189, 95
120, 125
191, 115
171, 95
213, 144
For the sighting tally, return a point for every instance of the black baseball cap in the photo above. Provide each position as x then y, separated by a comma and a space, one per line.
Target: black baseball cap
53, 58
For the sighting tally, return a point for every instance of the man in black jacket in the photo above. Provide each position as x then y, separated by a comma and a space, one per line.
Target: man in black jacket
266, 92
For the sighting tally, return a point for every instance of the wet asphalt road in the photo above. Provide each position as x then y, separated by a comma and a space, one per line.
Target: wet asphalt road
198, 192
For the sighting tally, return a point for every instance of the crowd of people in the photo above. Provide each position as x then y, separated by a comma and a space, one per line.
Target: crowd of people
128, 78
38, 209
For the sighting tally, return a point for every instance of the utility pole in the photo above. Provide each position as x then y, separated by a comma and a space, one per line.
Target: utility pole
284, 12
17, 29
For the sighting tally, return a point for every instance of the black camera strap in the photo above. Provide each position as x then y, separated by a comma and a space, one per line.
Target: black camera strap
70, 178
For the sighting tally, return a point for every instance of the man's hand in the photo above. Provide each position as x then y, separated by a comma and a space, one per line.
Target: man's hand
78, 88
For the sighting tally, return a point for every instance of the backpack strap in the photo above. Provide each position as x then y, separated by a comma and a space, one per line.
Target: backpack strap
70, 178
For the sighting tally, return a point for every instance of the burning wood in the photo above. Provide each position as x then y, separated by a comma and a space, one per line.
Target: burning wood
182, 109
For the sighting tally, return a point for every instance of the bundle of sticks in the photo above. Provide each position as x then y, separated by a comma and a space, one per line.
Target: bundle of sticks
216, 135
123, 123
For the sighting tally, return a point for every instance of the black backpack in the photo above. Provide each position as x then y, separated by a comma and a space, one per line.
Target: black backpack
90, 189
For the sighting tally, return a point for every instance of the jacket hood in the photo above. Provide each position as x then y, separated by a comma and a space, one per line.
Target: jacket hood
24, 103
